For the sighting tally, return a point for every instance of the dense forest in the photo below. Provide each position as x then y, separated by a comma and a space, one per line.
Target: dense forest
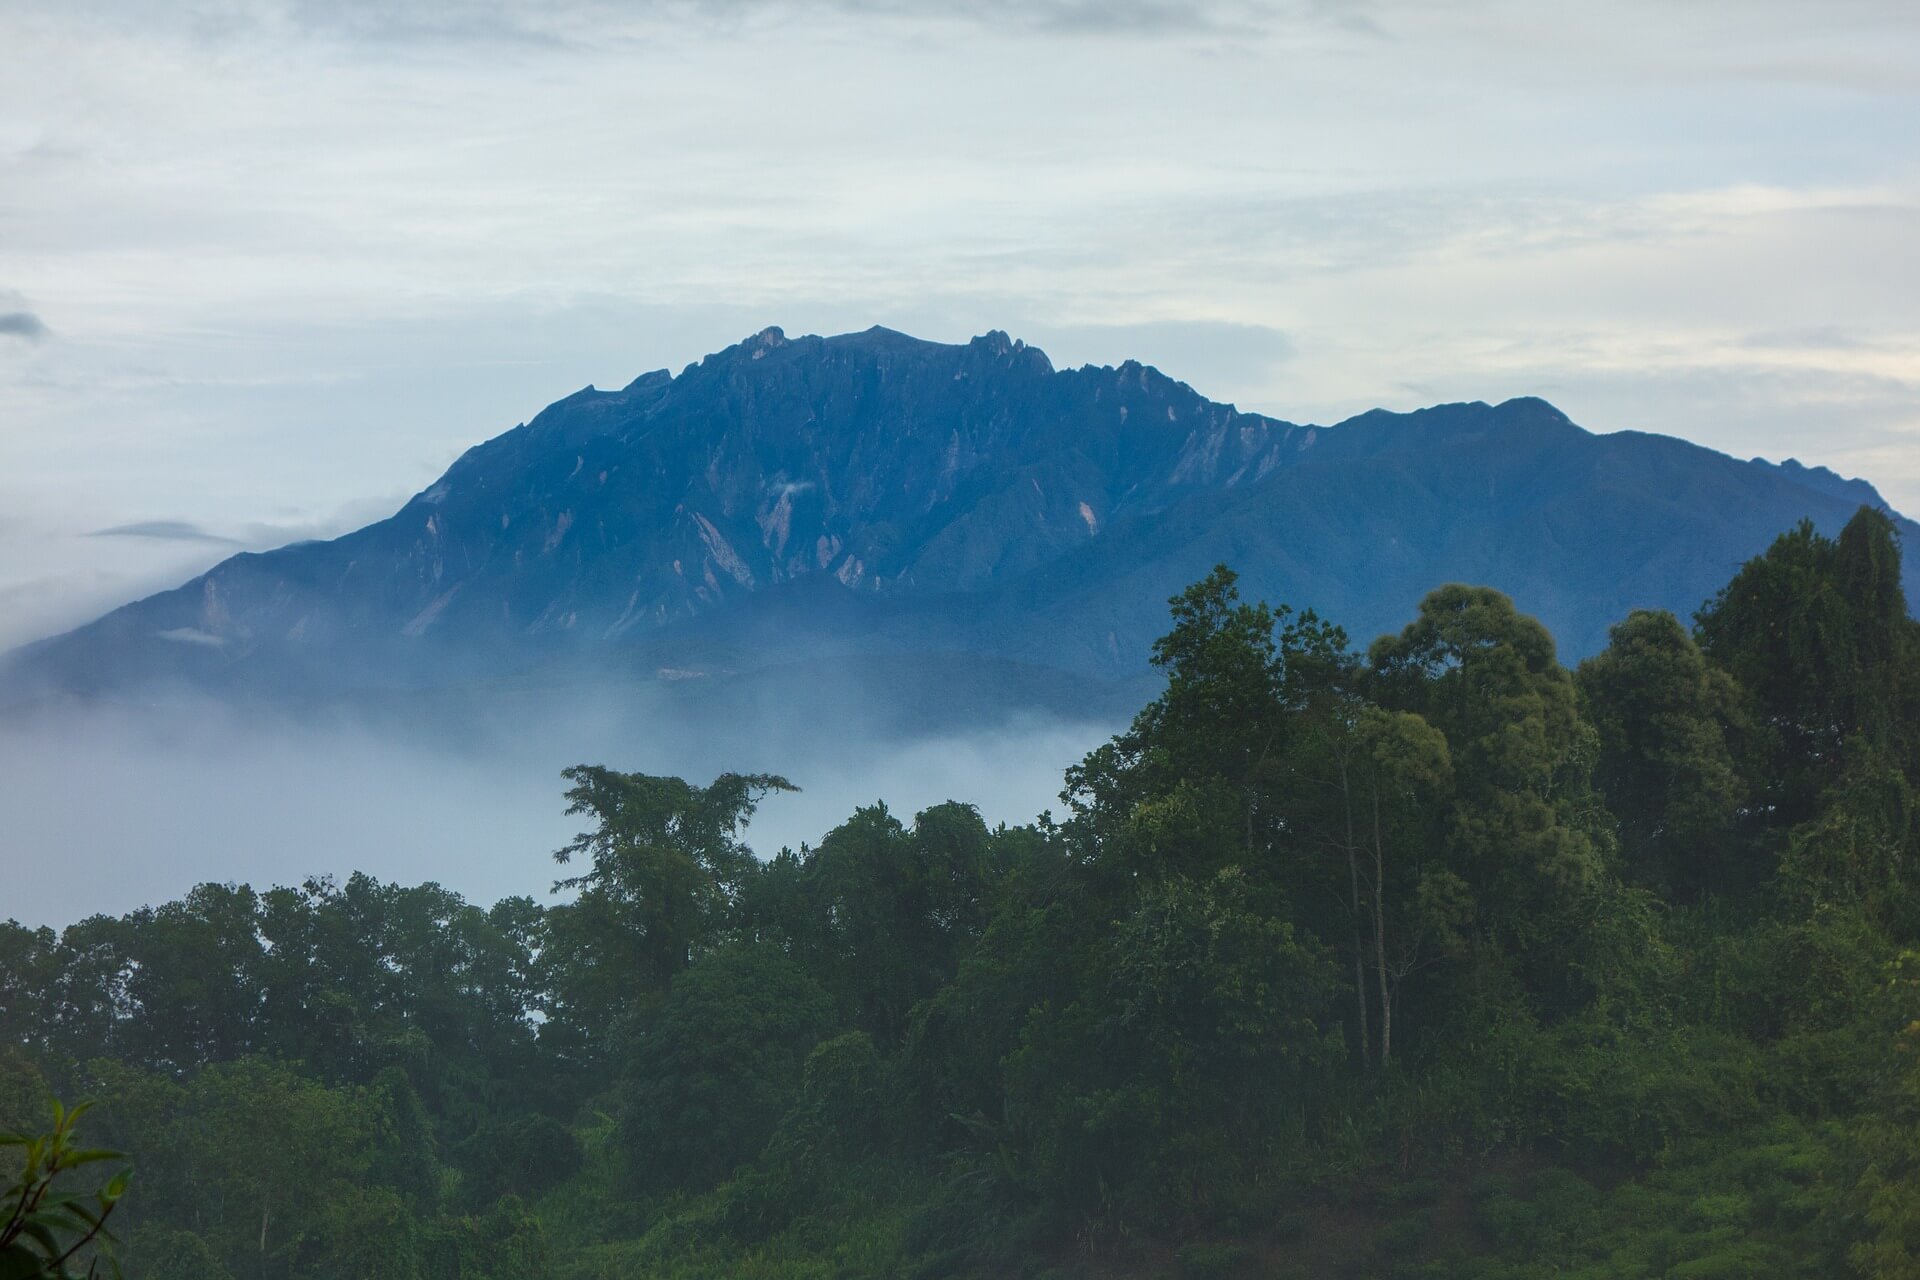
1437, 960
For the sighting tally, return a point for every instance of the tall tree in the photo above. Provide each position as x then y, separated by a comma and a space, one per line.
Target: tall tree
1816, 631
1238, 675
1526, 835
1666, 720
665, 863
1405, 775
194, 978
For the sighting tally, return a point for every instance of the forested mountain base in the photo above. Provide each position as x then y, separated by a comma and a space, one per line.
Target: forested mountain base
1441, 961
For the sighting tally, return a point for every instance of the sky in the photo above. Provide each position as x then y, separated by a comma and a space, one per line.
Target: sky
268, 266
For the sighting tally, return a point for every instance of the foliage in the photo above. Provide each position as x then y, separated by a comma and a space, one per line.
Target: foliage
46, 1228
714, 1072
664, 864
522, 1156
1667, 720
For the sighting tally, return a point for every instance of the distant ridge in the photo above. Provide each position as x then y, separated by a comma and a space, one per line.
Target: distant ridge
789, 502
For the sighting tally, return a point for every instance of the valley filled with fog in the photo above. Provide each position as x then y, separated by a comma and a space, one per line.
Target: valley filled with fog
111, 807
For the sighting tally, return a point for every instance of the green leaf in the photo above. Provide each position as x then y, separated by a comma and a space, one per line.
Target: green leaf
43, 1236
92, 1155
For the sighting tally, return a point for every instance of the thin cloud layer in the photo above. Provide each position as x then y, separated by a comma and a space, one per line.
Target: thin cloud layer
22, 324
165, 530
194, 787
409, 25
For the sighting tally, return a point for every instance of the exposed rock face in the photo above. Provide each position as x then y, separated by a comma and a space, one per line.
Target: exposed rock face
874, 493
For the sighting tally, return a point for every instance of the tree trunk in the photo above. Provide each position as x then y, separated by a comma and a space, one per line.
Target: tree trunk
1380, 932
1359, 950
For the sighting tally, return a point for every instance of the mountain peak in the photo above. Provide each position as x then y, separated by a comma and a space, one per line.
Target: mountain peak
1475, 417
649, 380
897, 496
1533, 407
1828, 480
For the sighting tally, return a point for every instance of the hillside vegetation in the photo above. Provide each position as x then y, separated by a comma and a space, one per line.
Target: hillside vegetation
1433, 960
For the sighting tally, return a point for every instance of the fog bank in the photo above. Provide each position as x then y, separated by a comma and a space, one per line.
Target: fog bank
107, 808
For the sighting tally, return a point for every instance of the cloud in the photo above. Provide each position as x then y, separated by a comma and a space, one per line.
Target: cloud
262, 534
473, 801
191, 635
1764, 40
22, 324
1819, 338
165, 530
1128, 17
405, 26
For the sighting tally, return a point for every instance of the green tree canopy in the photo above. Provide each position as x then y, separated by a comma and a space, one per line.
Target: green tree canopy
664, 865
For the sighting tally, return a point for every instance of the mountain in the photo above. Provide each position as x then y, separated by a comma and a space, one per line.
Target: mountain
961, 514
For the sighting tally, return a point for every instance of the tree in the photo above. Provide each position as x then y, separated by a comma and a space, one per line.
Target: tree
194, 977
270, 1150
879, 912
1665, 720
30, 963
525, 1156
1486, 676
403, 1156
665, 864
1816, 631
77, 981
1405, 774
507, 1242
1885, 638
1238, 676
1194, 1024
713, 1073
1222, 712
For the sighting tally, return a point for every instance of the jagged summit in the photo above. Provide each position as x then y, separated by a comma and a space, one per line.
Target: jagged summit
873, 493
656, 378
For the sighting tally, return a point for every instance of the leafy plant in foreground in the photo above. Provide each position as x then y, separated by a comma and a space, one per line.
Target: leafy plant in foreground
43, 1230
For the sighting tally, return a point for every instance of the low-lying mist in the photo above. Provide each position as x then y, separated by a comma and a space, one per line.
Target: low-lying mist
108, 807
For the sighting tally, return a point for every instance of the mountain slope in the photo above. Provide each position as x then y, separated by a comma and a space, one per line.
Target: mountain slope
1578, 528
787, 502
